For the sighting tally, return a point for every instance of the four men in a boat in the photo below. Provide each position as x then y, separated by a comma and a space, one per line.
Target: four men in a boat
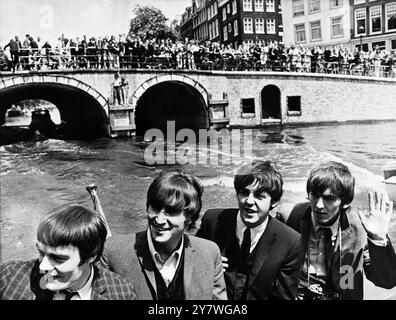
320, 249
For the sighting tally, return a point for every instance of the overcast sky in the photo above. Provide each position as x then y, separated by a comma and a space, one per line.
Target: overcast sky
51, 18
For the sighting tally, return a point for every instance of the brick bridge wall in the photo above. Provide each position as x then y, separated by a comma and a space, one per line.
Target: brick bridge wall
324, 98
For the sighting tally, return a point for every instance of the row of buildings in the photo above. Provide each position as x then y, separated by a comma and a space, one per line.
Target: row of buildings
353, 23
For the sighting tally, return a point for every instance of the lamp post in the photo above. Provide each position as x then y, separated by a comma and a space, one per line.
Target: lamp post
361, 30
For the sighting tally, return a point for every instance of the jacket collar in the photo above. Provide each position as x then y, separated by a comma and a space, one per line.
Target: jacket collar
147, 264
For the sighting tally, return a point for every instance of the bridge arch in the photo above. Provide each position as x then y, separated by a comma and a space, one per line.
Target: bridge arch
155, 103
79, 104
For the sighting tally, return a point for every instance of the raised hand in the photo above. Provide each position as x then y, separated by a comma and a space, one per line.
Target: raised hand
224, 261
376, 220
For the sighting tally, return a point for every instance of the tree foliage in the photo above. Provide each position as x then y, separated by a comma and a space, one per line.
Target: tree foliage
149, 22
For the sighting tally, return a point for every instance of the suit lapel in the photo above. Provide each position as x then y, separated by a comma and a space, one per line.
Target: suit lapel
263, 250
189, 261
146, 262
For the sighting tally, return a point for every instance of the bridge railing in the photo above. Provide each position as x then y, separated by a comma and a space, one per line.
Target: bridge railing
62, 59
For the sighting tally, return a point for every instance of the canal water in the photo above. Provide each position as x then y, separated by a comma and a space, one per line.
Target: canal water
38, 176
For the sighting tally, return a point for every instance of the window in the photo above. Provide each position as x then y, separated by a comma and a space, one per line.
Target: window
380, 45
225, 33
247, 5
228, 8
215, 8
360, 21
375, 19
298, 8
235, 27
358, 1
314, 6
390, 9
247, 25
270, 5
210, 31
260, 25
316, 33
393, 44
248, 105
335, 4
299, 32
294, 105
337, 29
259, 5
270, 25
229, 28
234, 7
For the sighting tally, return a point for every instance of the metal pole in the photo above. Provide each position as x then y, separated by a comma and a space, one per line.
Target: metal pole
97, 206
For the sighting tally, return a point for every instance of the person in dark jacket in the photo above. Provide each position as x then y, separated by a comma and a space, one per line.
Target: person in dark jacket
337, 245
261, 256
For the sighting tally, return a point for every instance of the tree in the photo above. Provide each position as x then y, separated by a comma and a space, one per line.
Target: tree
149, 22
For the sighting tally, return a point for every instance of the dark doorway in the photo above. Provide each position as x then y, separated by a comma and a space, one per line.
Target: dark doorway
271, 102
170, 101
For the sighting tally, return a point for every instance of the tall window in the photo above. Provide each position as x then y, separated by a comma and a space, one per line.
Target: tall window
299, 32
215, 8
314, 6
360, 21
335, 4
234, 7
260, 25
225, 33
270, 5
390, 9
210, 31
235, 27
316, 33
337, 28
247, 5
375, 19
259, 5
270, 25
247, 25
298, 8
224, 13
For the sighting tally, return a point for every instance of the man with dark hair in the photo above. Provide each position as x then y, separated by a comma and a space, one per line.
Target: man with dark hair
337, 246
70, 240
261, 256
163, 262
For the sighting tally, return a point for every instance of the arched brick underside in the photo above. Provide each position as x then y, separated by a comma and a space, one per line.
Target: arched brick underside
78, 103
170, 98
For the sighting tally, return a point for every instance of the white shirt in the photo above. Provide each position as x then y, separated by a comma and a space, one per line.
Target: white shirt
255, 233
83, 294
166, 268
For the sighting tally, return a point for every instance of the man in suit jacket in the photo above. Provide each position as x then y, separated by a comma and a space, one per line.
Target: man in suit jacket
162, 262
70, 241
261, 255
337, 245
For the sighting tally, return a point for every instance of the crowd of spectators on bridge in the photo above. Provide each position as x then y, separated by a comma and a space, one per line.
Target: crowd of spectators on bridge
132, 52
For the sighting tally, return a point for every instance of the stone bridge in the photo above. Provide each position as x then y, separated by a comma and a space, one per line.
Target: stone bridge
201, 99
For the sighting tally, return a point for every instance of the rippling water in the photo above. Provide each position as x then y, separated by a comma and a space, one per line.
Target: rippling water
36, 177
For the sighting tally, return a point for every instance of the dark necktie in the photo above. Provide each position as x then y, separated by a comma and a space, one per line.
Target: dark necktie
328, 247
245, 246
69, 294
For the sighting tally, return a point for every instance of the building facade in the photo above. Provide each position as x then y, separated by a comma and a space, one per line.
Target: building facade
186, 24
316, 22
235, 22
373, 24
